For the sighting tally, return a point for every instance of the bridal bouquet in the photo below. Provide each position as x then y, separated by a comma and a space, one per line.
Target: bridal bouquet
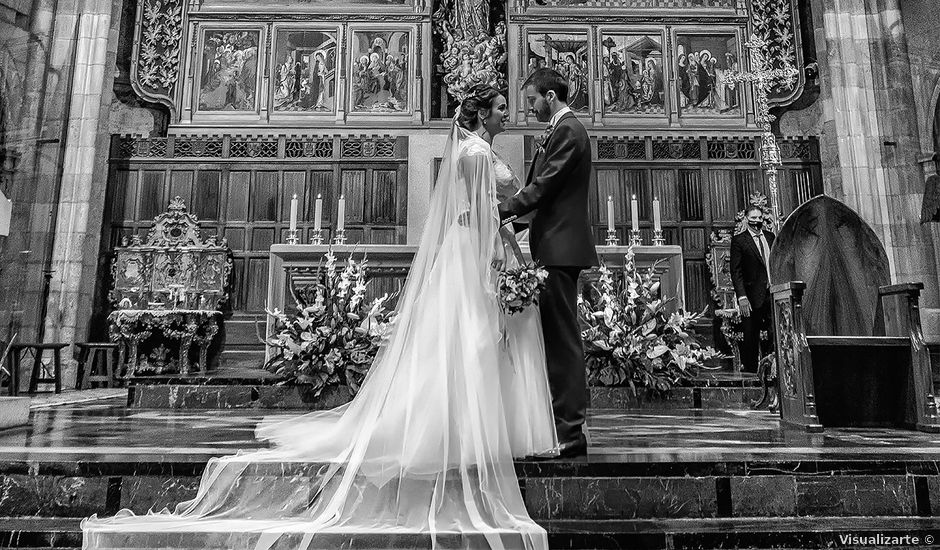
334, 334
631, 338
519, 287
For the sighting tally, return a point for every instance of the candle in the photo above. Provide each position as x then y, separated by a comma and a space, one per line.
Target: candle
610, 213
318, 214
341, 213
635, 213
293, 213
657, 221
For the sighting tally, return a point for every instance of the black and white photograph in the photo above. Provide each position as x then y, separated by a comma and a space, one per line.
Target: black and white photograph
469, 274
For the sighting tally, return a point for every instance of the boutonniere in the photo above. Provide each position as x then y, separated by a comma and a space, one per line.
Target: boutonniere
540, 141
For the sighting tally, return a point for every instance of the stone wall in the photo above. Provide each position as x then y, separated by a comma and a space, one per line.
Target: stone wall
870, 140
61, 54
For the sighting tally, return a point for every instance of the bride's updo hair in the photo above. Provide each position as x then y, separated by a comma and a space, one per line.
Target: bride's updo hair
479, 98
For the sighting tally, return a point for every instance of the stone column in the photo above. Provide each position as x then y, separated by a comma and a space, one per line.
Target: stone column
84, 178
34, 144
870, 135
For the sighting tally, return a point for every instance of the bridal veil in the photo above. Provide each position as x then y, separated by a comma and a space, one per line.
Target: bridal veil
420, 458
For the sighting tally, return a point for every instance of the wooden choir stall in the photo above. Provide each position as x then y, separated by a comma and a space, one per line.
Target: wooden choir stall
850, 351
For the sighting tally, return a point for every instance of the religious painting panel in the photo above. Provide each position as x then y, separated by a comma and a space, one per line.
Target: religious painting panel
567, 53
629, 5
316, 6
228, 75
700, 62
632, 67
381, 71
304, 71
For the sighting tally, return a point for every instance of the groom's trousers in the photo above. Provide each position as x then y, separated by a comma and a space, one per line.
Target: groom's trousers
564, 353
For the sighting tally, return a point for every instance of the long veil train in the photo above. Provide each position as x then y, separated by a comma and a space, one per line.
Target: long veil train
420, 458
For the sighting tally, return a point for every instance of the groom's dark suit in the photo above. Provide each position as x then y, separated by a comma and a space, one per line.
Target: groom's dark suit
561, 240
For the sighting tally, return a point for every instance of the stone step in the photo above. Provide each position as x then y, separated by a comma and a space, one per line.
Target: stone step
555, 490
225, 390
701, 534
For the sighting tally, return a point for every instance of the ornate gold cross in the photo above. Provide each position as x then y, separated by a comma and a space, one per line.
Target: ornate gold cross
764, 77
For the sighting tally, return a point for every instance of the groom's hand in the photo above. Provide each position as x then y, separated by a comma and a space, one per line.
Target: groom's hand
464, 219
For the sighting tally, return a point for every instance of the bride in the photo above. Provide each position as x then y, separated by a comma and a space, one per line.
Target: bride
423, 456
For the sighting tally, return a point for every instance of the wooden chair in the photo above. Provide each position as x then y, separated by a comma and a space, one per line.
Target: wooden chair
850, 350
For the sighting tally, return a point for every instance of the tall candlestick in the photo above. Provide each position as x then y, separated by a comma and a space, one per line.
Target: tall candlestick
293, 213
341, 214
657, 221
635, 213
610, 213
318, 213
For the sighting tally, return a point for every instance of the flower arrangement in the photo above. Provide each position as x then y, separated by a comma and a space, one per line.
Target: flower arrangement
519, 287
333, 337
630, 339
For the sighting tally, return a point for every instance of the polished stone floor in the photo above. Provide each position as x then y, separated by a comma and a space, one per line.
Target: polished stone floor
106, 430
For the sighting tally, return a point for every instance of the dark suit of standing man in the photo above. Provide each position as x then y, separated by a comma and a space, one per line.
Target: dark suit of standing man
750, 273
561, 240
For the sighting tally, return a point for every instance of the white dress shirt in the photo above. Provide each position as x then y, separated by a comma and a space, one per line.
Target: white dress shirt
557, 116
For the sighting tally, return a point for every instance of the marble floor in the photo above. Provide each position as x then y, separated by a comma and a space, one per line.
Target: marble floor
105, 430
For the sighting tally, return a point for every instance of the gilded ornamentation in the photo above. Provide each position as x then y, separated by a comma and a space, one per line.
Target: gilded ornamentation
159, 33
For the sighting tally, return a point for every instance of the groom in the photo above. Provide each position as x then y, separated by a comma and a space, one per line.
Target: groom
561, 241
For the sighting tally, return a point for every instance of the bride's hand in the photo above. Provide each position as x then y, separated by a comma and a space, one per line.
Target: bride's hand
499, 256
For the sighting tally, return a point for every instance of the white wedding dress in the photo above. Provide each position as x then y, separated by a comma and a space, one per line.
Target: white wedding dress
423, 456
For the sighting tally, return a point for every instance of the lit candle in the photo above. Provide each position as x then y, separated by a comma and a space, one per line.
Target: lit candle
293, 213
610, 213
657, 222
341, 213
318, 214
635, 213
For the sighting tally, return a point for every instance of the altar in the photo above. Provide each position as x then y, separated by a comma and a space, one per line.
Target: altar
388, 264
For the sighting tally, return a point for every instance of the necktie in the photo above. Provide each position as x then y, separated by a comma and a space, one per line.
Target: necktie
759, 241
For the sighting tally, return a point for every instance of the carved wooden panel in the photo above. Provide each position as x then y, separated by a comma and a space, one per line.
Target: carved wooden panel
155, 67
691, 198
724, 204
665, 187
247, 199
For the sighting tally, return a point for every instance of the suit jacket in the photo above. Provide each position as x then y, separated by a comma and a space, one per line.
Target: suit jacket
557, 186
748, 273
